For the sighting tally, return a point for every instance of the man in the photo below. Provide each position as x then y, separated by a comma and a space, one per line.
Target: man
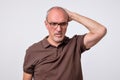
58, 57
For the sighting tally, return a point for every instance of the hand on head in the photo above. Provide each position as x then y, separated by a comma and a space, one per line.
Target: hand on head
69, 14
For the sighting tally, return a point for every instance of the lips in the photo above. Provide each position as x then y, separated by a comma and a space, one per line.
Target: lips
58, 35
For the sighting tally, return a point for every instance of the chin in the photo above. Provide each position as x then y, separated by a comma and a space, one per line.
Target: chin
58, 40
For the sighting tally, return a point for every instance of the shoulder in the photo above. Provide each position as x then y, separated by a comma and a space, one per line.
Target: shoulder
34, 47
78, 40
78, 37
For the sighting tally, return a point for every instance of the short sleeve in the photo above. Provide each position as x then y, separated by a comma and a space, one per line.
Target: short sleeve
80, 41
29, 63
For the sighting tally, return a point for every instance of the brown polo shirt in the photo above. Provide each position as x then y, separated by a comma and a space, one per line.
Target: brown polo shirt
47, 62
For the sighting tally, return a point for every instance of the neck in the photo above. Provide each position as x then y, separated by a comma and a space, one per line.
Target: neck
53, 42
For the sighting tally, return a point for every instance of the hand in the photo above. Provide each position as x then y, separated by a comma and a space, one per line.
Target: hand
69, 14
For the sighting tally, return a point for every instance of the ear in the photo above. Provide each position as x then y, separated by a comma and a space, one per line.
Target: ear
46, 24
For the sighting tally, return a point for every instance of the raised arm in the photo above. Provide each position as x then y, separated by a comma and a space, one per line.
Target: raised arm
96, 30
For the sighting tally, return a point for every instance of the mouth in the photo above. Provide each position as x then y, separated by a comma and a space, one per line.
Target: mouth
58, 35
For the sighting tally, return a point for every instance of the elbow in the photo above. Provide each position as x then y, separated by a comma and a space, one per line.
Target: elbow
101, 32
104, 31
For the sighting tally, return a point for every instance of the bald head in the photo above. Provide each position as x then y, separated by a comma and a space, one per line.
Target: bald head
57, 11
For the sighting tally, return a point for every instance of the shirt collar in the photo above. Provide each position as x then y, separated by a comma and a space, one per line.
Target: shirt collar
47, 44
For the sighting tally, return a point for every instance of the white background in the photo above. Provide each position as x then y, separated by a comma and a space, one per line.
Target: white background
22, 24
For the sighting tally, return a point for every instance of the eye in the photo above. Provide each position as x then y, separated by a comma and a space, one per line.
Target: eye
53, 24
63, 23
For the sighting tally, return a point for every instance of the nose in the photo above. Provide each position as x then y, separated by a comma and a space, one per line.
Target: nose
58, 28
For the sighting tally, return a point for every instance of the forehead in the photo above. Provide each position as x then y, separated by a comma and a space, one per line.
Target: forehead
57, 15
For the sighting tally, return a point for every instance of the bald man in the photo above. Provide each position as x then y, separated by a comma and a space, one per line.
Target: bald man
58, 57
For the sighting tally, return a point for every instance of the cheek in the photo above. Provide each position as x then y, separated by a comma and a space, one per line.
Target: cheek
51, 31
